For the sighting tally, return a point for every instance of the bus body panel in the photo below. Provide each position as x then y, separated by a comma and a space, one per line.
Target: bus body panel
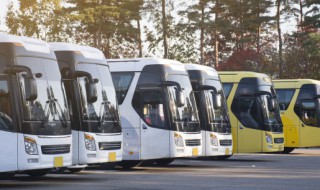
45, 160
9, 154
297, 133
248, 140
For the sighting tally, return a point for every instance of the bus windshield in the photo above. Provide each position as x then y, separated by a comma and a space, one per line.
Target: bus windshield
271, 118
217, 116
50, 105
185, 118
102, 115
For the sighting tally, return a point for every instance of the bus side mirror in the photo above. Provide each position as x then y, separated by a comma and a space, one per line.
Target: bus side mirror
216, 100
272, 104
30, 89
180, 98
91, 90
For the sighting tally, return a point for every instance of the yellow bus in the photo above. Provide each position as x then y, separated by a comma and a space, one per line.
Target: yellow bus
254, 112
299, 101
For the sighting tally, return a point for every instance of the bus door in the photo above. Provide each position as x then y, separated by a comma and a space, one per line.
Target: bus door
8, 137
249, 130
155, 134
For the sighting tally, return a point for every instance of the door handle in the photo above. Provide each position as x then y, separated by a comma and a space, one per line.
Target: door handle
144, 126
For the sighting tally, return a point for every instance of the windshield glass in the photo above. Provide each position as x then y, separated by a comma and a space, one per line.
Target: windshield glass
50, 104
102, 115
271, 117
185, 118
217, 116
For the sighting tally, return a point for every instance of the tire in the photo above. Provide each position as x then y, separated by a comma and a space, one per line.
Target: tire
58, 170
38, 173
75, 170
287, 150
6, 175
129, 164
164, 162
221, 157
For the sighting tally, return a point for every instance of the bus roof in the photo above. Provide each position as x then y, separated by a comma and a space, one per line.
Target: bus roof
137, 64
87, 51
293, 83
236, 76
30, 44
208, 70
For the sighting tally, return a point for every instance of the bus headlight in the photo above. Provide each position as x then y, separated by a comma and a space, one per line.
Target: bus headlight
214, 140
178, 140
90, 142
31, 146
268, 138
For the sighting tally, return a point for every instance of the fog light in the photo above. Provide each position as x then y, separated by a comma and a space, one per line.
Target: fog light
33, 160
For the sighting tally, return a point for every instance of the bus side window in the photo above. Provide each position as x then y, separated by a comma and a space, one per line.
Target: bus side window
308, 113
153, 109
5, 107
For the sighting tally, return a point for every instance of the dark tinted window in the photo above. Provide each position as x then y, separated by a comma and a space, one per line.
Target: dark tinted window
248, 113
153, 109
227, 89
122, 83
284, 97
5, 107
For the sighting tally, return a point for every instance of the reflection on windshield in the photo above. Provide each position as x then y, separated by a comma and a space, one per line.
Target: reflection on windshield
102, 115
185, 117
50, 106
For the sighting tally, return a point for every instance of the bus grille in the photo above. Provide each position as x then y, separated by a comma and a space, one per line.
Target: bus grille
193, 142
55, 149
110, 145
225, 142
278, 140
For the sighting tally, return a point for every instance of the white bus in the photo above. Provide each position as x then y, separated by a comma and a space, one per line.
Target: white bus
213, 111
158, 110
35, 130
96, 129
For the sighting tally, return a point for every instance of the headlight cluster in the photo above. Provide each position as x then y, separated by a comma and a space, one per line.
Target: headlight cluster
89, 142
268, 138
178, 140
31, 146
214, 140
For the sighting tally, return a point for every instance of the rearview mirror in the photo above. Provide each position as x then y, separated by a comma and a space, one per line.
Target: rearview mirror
91, 90
216, 100
30, 89
180, 98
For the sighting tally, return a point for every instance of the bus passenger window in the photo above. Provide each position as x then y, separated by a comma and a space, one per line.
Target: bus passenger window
308, 113
5, 107
153, 109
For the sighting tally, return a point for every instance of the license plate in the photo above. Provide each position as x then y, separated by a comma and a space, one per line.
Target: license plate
227, 151
195, 152
58, 161
112, 156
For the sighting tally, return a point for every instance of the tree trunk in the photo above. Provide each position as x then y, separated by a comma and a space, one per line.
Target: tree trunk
301, 15
216, 43
164, 26
202, 34
280, 39
139, 38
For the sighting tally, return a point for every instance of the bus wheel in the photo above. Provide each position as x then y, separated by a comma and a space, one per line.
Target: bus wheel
75, 170
6, 175
163, 162
287, 150
129, 164
58, 170
221, 157
38, 173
